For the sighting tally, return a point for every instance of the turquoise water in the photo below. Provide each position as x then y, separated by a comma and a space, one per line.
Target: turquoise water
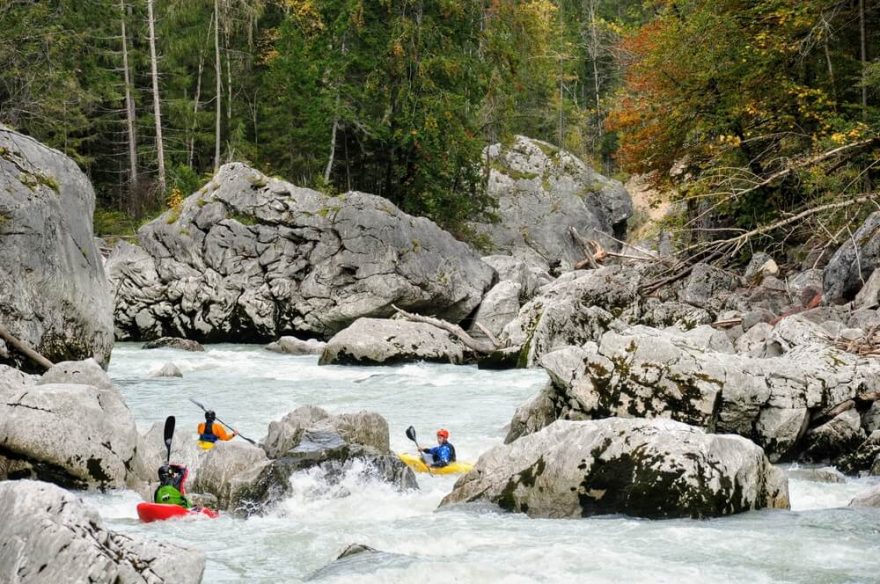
819, 541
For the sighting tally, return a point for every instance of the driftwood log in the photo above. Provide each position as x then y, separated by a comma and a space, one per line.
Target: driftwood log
468, 341
24, 349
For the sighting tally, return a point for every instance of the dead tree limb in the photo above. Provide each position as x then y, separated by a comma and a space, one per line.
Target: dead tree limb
453, 329
24, 349
861, 399
711, 251
589, 261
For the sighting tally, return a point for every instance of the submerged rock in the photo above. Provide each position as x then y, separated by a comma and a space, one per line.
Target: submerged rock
295, 346
55, 294
644, 468
174, 343
48, 535
168, 370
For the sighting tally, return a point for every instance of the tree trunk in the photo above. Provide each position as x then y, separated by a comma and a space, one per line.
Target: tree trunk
192, 135
160, 149
129, 105
218, 70
864, 56
593, 49
25, 350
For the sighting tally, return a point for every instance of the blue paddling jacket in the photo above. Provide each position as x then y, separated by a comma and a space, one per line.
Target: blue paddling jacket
443, 454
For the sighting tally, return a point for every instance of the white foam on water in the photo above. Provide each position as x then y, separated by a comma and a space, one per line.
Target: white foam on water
819, 541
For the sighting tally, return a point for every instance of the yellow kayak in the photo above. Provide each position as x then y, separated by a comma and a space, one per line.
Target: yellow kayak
415, 462
205, 445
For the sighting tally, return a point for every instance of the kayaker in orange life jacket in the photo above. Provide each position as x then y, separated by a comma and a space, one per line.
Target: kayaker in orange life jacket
210, 431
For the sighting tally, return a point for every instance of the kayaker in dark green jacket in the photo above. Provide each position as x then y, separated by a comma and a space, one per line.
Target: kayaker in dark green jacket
171, 490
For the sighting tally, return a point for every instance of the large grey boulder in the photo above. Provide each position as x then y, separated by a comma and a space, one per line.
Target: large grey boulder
648, 373
643, 468
249, 257
49, 535
228, 471
577, 308
379, 341
500, 306
55, 294
853, 262
73, 429
542, 193
511, 269
365, 428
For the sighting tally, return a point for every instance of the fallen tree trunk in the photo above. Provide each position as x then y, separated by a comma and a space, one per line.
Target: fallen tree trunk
24, 349
453, 329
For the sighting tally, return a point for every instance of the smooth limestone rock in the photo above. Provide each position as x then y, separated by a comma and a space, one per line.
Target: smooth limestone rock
644, 468
250, 258
49, 535
295, 346
500, 306
168, 370
72, 429
542, 193
53, 288
376, 341
867, 498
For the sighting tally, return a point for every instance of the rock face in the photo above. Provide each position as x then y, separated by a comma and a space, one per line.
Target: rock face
48, 535
542, 192
653, 469
72, 429
248, 257
55, 294
376, 341
854, 262
647, 373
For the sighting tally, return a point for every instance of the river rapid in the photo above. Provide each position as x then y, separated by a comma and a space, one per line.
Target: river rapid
818, 541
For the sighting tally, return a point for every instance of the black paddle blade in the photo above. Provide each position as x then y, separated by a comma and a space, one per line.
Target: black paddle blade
411, 433
169, 434
169, 429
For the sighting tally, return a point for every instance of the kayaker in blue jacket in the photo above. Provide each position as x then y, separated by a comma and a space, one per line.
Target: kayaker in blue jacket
442, 454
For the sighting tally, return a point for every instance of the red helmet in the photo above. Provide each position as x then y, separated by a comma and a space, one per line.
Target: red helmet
443, 432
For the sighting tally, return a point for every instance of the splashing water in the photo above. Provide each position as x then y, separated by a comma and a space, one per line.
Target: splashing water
820, 540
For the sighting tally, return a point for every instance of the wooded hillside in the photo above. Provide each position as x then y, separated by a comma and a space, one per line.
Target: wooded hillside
749, 111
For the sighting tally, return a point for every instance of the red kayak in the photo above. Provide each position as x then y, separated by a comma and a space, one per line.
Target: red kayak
149, 512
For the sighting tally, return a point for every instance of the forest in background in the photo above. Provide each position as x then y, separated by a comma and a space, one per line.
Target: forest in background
758, 116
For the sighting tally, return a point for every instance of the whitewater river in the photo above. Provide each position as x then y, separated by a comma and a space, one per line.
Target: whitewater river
819, 541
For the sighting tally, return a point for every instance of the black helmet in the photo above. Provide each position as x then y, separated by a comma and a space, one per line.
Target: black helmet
164, 472
210, 415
